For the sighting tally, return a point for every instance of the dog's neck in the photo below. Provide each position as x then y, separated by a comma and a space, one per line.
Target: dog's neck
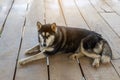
57, 38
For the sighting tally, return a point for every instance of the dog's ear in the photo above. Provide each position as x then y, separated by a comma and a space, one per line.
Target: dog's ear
54, 27
39, 25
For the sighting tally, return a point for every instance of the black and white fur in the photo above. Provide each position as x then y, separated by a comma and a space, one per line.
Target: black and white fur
80, 42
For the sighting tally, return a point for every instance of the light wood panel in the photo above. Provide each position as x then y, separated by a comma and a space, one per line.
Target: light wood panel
104, 72
96, 23
10, 39
101, 6
61, 67
115, 5
20, 32
72, 16
36, 70
113, 20
5, 7
116, 63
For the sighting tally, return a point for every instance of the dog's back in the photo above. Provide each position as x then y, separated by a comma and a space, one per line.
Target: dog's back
75, 35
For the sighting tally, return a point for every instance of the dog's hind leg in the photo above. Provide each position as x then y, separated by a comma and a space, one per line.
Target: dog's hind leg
35, 49
92, 55
96, 62
32, 58
87, 53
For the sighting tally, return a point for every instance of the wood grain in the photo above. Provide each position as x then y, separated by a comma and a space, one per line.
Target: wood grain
36, 70
19, 17
96, 23
113, 20
53, 12
116, 63
101, 6
104, 72
115, 5
73, 18
10, 40
61, 68
5, 7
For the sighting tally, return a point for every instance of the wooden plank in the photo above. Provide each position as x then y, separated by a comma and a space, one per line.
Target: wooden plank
61, 68
36, 70
53, 12
115, 5
104, 72
116, 63
96, 23
113, 20
101, 6
99, 25
5, 6
72, 16
10, 39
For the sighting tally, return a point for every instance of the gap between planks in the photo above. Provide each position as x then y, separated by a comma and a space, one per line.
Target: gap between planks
61, 20
60, 4
47, 61
23, 29
2, 28
32, 16
104, 19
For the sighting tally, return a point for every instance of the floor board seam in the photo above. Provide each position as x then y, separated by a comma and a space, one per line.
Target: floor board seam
2, 28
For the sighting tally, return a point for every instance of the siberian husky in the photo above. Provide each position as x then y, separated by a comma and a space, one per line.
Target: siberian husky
80, 42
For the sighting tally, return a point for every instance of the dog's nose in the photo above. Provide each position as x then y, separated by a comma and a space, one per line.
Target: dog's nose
44, 44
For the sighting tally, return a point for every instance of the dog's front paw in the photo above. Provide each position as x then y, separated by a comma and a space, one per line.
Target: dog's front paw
96, 63
21, 62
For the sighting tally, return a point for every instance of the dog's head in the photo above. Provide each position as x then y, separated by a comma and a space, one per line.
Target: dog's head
46, 34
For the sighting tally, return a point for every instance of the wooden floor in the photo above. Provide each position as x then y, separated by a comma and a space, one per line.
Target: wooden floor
18, 32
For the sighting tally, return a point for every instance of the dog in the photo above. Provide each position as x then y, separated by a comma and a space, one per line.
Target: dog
79, 42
